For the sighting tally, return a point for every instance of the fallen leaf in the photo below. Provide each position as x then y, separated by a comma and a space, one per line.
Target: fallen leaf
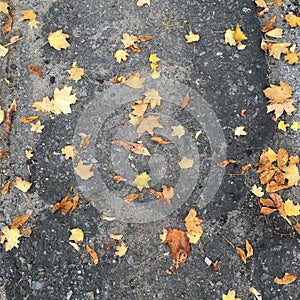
31, 16
35, 70
282, 125
141, 181
5, 188
116, 236
92, 253
2, 115
135, 81
246, 168
261, 3
235, 37
131, 197
75, 246
63, 99
106, 218
119, 179
148, 124
192, 225
4, 153
84, 171
84, 143
291, 209
186, 163
152, 97
4, 7
241, 253
292, 58
192, 37
133, 147
139, 109
46, 105
155, 74
286, 279
121, 55
240, 131
185, 101
65, 204
165, 196
129, 40
270, 25
256, 293
9, 115
69, 152
160, 140
28, 119
76, 235
29, 154
249, 249
230, 296
257, 191
292, 20
58, 40
10, 237
3, 50
178, 131
37, 127
297, 228
143, 2
121, 250
276, 49
21, 184
295, 126
75, 72
275, 33
225, 163
154, 61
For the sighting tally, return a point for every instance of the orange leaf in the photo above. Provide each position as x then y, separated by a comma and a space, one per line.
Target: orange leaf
19, 221
185, 101
131, 197
242, 253
134, 147
286, 279
119, 179
160, 140
5, 188
225, 163
35, 70
92, 253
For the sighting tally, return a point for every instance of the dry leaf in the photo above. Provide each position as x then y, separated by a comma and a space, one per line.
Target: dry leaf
139, 108
131, 197
116, 236
282, 125
84, 171
109, 219
160, 140
270, 25
240, 131
191, 37
275, 33
84, 143
121, 55
141, 3
76, 235
192, 224
75, 246
185, 101
178, 131
65, 204
121, 250
286, 279
225, 163
35, 70
293, 20
69, 152
37, 127
3, 51
63, 99
28, 119
155, 74
152, 97
75, 72
31, 16
135, 81
235, 37
134, 147
297, 228
4, 7
291, 209
186, 163
4, 153
154, 61
58, 41
260, 3
165, 196
2, 115
257, 191
9, 115
5, 188
92, 253
245, 168
256, 293
230, 296
21, 184
119, 179
147, 125
141, 181
241, 253
295, 126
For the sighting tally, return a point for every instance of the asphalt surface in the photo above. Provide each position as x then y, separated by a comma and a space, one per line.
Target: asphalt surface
221, 81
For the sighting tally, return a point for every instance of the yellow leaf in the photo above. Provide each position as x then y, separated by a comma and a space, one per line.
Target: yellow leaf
292, 58
3, 51
10, 237
191, 37
75, 72
37, 127
261, 3
282, 126
154, 59
4, 6
121, 55
5, 188
291, 209
286, 279
155, 74
141, 181
121, 250
28, 119
69, 152
295, 126
291, 171
192, 224
22, 185
2, 115
279, 48
257, 191
31, 16
116, 236
129, 40
275, 33
163, 236
46, 105
58, 41
153, 97
230, 296
249, 249
239, 36
147, 125
84, 171
76, 235
63, 99
135, 81
293, 20
240, 130
178, 131
186, 163
92, 253
143, 2
229, 37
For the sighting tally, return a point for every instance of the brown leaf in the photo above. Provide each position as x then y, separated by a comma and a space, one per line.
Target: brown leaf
160, 140
242, 253
19, 221
147, 125
35, 70
131, 197
185, 101
119, 179
84, 171
9, 115
84, 143
225, 163
5, 188
286, 279
4, 153
134, 147
165, 196
297, 228
92, 253
121, 250
7, 27
246, 168
270, 25
65, 205
279, 204
28, 119
249, 249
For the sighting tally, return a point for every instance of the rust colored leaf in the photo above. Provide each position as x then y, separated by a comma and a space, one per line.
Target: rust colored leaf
9, 116
160, 140
65, 204
28, 119
225, 163
131, 197
134, 147
5, 188
4, 153
19, 221
92, 253
165, 196
35, 70
297, 228
286, 279
246, 168
241, 253
267, 210
119, 179
270, 25
185, 101
7, 27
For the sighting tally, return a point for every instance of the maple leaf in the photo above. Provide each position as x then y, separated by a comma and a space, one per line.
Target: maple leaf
135, 81
22, 185
46, 105
179, 245
291, 209
153, 97
279, 99
165, 196
121, 250
10, 237
282, 125
292, 58
37, 127
121, 55
178, 131
84, 171
75, 72
92, 253
192, 224
293, 20
286, 279
141, 181
76, 235
147, 125
235, 37
129, 40
139, 108
192, 37
134, 147
186, 163
58, 41
31, 16
29, 154
240, 131
35, 70
155, 74
141, 3
63, 99
257, 191
230, 296
69, 152
277, 49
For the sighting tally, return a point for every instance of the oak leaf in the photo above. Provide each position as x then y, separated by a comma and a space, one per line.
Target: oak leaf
141, 181
147, 125
75, 72
84, 171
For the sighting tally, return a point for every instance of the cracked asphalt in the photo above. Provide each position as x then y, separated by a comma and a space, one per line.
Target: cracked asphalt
221, 79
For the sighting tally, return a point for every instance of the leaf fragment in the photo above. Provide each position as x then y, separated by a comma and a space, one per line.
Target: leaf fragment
178, 131
136, 148
292, 20
192, 37
240, 131
135, 81
131, 197
230, 296
141, 3
37, 127
286, 279
29, 15
92, 253
148, 124
141, 181
35, 70
84, 171
76, 235
21, 184
186, 163
121, 250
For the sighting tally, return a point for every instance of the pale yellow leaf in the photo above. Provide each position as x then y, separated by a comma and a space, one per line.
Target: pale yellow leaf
121, 250
76, 235
21, 184
186, 163
141, 3
84, 171
58, 41
257, 191
69, 152
75, 72
178, 131
240, 131
121, 55
37, 127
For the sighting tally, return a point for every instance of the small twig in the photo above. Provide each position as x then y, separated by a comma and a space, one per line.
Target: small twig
11, 43
225, 239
